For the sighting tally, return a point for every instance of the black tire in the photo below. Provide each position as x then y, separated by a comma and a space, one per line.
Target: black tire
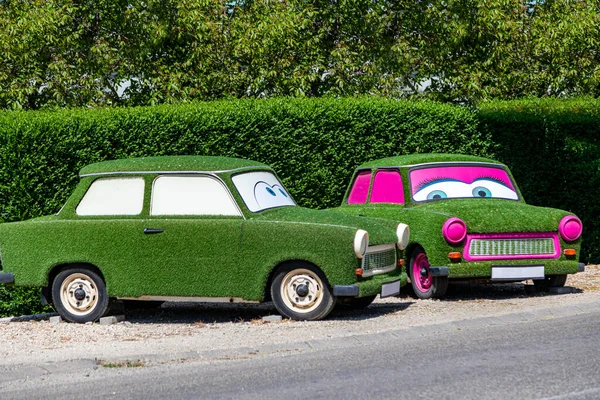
424, 285
300, 291
79, 295
355, 303
544, 285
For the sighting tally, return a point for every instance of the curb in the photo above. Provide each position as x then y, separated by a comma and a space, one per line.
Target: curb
13, 372
370, 338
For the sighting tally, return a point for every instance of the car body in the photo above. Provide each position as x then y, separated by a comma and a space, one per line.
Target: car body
468, 220
194, 228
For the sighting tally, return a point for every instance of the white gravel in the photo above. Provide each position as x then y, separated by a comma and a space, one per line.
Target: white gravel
179, 328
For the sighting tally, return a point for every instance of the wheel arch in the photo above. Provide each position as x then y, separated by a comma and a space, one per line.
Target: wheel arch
57, 269
410, 249
273, 271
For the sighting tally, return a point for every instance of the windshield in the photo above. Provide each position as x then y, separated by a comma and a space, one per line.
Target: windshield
465, 181
261, 190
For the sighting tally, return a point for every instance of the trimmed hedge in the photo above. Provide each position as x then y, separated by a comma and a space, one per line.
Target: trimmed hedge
553, 150
314, 144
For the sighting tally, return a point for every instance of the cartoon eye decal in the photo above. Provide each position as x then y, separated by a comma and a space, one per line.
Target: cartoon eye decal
481, 191
436, 194
480, 188
486, 188
268, 196
441, 189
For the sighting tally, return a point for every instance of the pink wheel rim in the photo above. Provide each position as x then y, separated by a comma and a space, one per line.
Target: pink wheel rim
422, 281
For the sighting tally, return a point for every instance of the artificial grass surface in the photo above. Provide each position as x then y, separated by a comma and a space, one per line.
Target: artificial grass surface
204, 256
481, 215
169, 163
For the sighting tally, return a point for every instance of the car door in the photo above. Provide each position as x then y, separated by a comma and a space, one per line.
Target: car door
191, 237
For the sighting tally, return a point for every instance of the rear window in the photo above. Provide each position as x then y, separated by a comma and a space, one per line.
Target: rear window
360, 188
113, 196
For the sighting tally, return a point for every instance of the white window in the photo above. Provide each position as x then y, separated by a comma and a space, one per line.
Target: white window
113, 196
191, 195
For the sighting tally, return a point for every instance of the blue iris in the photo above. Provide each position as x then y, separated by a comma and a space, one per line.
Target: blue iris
282, 192
436, 194
481, 191
270, 191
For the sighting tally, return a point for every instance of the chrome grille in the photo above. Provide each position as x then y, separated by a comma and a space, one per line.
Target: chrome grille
376, 260
512, 247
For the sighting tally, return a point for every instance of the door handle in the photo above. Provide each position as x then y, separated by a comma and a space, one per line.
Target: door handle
150, 231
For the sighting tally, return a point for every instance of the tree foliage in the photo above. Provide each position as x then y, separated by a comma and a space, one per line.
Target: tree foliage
115, 52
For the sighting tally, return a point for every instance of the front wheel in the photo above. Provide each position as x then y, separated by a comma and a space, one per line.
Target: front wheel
424, 284
79, 295
300, 292
543, 285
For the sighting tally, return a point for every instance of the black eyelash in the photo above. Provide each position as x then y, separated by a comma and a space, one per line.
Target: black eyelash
426, 182
497, 180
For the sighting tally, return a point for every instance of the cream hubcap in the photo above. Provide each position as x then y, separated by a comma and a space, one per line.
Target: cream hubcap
79, 294
302, 290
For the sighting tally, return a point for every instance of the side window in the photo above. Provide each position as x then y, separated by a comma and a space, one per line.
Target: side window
387, 187
360, 188
113, 196
191, 195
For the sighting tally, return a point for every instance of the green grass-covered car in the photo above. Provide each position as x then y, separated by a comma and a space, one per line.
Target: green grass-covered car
468, 220
194, 228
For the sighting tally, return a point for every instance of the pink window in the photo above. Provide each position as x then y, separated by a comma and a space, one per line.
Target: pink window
387, 187
360, 188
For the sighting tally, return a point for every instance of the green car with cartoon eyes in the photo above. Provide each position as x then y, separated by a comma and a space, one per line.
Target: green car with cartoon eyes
193, 228
468, 220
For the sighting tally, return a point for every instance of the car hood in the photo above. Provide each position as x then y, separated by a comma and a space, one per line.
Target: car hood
496, 215
380, 231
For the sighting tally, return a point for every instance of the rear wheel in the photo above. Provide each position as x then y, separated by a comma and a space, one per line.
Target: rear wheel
543, 285
424, 284
79, 295
300, 291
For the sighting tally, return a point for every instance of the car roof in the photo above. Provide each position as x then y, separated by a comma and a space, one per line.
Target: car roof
169, 164
415, 159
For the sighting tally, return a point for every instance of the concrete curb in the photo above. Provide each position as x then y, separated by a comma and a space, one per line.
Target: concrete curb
379, 337
12, 372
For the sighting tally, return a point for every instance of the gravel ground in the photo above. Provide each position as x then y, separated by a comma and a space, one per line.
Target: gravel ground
185, 327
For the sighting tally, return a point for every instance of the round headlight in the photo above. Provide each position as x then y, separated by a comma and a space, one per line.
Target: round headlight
570, 228
403, 233
454, 230
361, 242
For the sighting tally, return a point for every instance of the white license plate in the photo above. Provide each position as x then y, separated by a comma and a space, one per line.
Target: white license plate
390, 289
505, 273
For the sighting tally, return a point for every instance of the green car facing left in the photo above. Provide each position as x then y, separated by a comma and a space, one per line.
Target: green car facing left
196, 228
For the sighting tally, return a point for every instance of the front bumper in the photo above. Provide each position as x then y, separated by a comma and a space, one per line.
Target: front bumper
378, 284
7, 277
483, 269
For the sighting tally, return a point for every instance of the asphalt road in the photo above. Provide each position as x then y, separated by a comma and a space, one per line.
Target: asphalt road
551, 359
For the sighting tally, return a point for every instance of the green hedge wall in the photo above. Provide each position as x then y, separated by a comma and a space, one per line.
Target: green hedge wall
314, 144
553, 150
